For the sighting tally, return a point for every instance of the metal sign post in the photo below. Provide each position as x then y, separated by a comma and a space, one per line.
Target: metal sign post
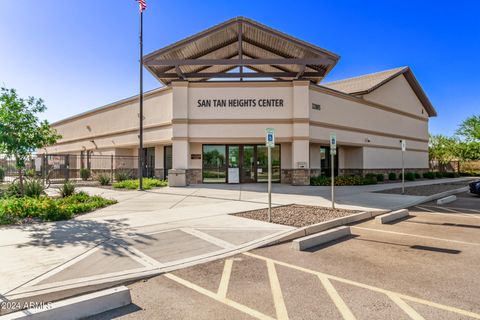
270, 143
404, 147
333, 152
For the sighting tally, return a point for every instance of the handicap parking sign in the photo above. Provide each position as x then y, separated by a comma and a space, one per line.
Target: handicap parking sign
270, 137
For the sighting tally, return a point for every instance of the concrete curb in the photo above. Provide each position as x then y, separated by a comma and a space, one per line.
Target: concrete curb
432, 197
322, 226
392, 216
317, 239
78, 307
446, 200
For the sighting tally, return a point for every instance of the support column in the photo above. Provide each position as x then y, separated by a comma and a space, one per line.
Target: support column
180, 145
301, 133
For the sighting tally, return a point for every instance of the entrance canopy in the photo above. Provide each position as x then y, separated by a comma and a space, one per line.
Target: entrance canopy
238, 43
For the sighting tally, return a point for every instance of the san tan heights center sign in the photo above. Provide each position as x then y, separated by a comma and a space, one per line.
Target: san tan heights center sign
239, 103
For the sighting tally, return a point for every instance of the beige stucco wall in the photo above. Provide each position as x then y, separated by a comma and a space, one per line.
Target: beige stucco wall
368, 135
378, 158
397, 93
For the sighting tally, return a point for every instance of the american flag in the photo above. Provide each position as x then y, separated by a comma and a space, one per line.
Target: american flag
142, 5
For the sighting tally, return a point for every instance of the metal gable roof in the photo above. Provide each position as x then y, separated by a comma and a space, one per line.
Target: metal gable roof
240, 42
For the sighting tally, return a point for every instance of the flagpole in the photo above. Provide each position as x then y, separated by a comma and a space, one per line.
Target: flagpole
140, 156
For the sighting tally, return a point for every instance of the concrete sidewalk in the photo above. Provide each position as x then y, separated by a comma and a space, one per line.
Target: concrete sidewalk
158, 230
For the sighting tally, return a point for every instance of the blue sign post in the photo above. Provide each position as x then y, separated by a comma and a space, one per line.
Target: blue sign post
270, 143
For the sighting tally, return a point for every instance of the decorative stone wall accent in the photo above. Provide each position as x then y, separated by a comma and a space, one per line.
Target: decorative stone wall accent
286, 176
194, 176
301, 177
363, 172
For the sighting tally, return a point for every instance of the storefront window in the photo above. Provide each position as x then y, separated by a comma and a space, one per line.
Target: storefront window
262, 163
214, 164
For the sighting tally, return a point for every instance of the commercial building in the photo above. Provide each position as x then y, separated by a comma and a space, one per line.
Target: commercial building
224, 86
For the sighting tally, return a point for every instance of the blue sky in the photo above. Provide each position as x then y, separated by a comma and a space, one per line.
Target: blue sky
79, 55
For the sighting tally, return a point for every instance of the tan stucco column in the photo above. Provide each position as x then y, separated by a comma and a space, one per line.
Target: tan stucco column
301, 133
180, 149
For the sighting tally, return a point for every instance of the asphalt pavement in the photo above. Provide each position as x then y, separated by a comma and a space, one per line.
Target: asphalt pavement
421, 267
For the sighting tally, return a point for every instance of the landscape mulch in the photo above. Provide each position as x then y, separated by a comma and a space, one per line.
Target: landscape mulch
297, 215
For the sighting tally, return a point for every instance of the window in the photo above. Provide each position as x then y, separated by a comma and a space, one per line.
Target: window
214, 164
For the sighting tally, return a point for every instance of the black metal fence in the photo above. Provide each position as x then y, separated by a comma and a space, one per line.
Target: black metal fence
62, 167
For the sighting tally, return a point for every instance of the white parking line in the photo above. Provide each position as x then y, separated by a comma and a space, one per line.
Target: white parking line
227, 271
472, 210
417, 236
341, 305
280, 308
405, 307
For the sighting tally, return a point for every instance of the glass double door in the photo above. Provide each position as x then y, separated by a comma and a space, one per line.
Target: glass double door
249, 163
241, 164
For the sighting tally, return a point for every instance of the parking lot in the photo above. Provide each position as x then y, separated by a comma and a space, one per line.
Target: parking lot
422, 267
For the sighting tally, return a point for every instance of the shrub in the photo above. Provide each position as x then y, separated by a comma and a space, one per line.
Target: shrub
370, 180
410, 176
122, 175
320, 181
348, 180
33, 188
380, 177
392, 176
67, 189
30, 173
148, 183
85, 174
48, 209
451, 174
13, 190
2, 174
417, 175
438, 174
429, 175
104, 179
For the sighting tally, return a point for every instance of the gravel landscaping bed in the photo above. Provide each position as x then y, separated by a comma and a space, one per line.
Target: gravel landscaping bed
297, 215
427, 190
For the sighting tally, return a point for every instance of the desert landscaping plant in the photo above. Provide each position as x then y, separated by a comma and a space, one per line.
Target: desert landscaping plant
85, 174
67, 189
104, 179
392, 176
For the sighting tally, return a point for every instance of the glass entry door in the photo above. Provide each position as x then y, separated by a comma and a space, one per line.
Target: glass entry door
248, 164
326, 161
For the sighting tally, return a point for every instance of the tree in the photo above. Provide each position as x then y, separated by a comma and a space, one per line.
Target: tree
21, 131
469, 129
442, 148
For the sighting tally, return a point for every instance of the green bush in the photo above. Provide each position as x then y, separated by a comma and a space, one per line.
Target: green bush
13, 190
470, 173
2, 174
438, 174
122, 175
417, 175
451, 174
410, 176
148, 183
370, 180
67, 189
339, 181
320, 181
14, 209
380, 177
85, 174
429, 175
104, 179
33, 188
30, 173
392, 176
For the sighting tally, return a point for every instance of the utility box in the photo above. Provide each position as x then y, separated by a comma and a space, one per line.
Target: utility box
177, 178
